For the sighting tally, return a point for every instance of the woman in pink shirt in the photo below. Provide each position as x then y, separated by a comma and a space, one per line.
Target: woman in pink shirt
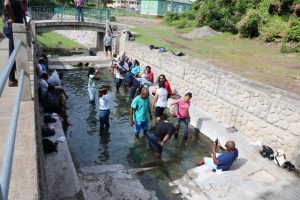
182, 113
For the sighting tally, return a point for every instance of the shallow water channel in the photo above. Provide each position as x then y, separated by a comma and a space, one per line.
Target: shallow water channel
117, 146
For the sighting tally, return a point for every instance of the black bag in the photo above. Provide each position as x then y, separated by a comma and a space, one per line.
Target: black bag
288, 166
46, 131
49, 146
267, 152
49, 119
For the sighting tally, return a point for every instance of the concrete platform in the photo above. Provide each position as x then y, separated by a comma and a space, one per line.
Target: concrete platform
24, 178
251, 176
74, 60
62, 179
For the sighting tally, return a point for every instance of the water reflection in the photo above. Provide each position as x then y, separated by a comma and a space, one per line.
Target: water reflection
104, 145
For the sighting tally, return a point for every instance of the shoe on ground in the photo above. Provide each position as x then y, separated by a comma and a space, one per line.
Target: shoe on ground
13, 83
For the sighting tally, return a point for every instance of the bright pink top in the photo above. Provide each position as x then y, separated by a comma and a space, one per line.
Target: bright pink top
168, 87
183, 109
79, 3
150, 76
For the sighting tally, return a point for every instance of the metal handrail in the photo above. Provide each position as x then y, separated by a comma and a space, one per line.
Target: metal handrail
5, 172
8, 65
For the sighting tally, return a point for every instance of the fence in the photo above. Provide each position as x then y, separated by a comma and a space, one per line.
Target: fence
67, 13
20, 56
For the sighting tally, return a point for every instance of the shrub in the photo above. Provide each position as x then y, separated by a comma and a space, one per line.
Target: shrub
113, 18
293, 33
274, 30
290, 48
249, 24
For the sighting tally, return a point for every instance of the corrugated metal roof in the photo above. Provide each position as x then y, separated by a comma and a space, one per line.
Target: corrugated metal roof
182, 1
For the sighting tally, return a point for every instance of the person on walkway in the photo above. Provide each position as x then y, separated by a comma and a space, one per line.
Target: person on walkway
160, 135
43, 84
55, 79
41, 67
149, 74
160, 100
221, 161
136, 68
107, 40
12, 13
91, 84
104, 101
140, 112
162, 78
79, 6
183, 114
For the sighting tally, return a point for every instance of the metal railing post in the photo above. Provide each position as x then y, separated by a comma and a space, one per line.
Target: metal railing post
21, 33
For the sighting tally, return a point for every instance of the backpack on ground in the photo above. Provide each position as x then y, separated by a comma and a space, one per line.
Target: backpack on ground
49, 119
279, 157
178, 53
267, 152
162, 50
288, 166
49, 146
46, 131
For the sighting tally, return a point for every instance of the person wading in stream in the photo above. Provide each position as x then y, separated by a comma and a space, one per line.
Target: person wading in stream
140, 112
91, 84
104, 100
160, 135
12, 13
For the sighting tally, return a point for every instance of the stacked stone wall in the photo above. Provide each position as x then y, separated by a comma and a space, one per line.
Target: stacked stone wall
260, 112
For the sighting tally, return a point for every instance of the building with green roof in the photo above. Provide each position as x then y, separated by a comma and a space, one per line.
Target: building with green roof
160, 7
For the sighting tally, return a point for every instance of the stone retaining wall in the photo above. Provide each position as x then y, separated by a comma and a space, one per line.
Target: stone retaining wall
260, 112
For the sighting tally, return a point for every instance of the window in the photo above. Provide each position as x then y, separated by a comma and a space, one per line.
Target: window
169, 7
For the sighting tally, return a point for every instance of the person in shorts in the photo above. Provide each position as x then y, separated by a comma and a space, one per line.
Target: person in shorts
160, 100
160, 135
221, 161
140, 112
107, 40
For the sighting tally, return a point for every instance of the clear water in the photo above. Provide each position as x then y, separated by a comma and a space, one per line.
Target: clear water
118, 146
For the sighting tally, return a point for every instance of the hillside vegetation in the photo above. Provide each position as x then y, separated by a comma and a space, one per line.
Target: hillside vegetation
268, 20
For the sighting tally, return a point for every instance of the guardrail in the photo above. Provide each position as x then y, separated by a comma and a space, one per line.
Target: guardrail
22, 65
67, 13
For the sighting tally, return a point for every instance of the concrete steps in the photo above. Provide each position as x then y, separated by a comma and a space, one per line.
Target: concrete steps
111, 182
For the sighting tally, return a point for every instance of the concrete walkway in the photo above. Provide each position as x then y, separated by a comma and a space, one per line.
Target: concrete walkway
24, 179
251, 176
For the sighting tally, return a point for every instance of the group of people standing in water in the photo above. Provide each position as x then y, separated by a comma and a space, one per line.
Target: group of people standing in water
130, 76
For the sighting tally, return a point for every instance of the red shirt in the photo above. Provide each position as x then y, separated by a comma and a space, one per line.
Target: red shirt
168, 87
150, 76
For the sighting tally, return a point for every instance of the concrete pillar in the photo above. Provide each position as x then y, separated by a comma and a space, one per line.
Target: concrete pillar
23, 57
99, 38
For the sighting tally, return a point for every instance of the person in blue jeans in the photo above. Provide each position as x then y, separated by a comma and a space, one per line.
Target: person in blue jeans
132, 83
160, 135
140, 112
12, 13
104, 101
79, 5
221, 161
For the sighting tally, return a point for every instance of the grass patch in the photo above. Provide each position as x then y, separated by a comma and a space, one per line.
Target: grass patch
52, 39
1, 23
250, 58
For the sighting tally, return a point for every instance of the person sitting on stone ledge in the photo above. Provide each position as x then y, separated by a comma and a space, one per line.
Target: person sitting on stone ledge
221, 161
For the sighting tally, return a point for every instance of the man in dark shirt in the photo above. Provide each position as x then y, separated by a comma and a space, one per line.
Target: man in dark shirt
160, 135
133, 83
12, 13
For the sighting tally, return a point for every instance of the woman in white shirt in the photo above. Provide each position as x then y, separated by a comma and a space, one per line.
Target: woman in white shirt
91, 84
104, 101
160, 100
